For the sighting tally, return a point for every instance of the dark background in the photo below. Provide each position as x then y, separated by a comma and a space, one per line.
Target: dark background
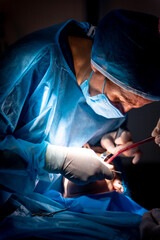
20, 17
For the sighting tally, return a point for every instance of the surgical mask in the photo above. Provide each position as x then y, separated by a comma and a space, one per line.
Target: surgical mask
100, 103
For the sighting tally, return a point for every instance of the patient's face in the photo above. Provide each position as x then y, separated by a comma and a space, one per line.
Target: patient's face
102, 186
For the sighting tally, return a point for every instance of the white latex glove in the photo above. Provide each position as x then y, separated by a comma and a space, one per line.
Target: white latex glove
156, 133
113, 145
79, 165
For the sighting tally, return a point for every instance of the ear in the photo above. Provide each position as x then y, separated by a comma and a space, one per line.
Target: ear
117, 186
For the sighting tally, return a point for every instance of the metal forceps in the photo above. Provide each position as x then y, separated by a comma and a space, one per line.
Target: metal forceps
50, 214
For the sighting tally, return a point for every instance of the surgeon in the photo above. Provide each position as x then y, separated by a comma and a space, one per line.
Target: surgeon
69, 84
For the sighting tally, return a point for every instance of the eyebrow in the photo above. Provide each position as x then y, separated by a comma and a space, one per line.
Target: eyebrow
129, 100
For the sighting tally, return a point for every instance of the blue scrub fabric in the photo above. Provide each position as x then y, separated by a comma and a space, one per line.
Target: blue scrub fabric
100, 216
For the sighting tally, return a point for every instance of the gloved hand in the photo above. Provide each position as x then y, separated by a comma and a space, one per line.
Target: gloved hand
79, 165
150, 225
156, 133
113, 145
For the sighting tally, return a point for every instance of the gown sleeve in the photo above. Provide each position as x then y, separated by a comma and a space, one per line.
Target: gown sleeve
20, 160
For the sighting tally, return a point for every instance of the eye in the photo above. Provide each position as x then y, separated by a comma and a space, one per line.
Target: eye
115, 99
118, 105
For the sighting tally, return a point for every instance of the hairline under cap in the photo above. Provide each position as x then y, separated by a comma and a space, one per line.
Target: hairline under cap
122, 85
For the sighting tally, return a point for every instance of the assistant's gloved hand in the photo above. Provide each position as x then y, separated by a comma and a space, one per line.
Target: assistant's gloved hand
79, 165
150, 225
156, 133
113, 145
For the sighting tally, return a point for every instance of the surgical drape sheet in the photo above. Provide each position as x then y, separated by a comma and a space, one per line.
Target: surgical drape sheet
100, 216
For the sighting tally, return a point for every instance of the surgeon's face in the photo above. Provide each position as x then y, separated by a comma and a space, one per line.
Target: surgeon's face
123, 99
119, 97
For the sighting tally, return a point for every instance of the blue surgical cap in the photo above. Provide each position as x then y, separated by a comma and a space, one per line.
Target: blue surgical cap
126, 49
